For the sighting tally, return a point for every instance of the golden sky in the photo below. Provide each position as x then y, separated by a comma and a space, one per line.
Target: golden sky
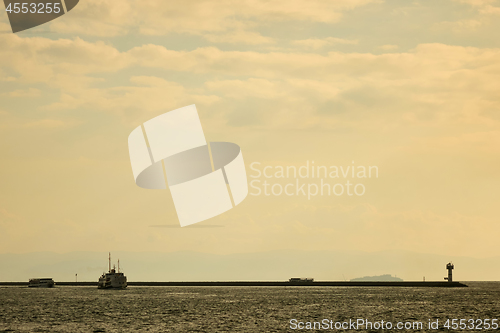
411, 87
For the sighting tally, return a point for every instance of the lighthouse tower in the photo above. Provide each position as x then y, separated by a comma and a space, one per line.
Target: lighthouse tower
450, 267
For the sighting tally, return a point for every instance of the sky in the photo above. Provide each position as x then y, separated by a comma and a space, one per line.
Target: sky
410, 87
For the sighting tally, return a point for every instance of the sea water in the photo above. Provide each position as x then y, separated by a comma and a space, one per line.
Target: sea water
244, 309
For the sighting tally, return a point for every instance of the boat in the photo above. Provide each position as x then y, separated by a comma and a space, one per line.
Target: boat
41, 283
301, 280
113, 279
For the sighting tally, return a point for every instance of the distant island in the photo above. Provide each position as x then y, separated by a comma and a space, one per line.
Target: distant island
385, 277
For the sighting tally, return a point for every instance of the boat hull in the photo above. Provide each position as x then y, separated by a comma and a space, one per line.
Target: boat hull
110, 287
41, 286
41, 283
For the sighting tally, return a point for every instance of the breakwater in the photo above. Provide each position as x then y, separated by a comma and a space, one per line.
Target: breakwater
422, 284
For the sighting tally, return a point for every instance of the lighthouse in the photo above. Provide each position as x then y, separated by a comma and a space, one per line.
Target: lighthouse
450, 267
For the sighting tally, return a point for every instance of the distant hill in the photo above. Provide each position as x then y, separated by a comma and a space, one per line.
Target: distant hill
385, 277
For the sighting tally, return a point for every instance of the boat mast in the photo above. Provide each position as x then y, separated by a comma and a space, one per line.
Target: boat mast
109, 261
118, 265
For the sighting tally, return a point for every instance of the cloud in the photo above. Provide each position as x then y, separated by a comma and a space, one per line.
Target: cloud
11, 121
255, 88
430, 58
147, 95
47, 123
5, 27
240, 37
477, 3
485, 16
77, 57
429, 76
475, 142
7, 216
30, 92
40, 59
197, 17
434, 83
316, 44
99, 18
466, 25
490, 10
389, 47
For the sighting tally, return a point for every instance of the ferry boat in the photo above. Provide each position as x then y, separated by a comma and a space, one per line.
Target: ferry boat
41, 283
301, 280
113, 279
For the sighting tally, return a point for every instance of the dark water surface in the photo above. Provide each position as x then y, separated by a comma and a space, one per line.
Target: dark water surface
238, 309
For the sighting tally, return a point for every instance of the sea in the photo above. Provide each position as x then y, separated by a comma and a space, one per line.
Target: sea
251, 309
